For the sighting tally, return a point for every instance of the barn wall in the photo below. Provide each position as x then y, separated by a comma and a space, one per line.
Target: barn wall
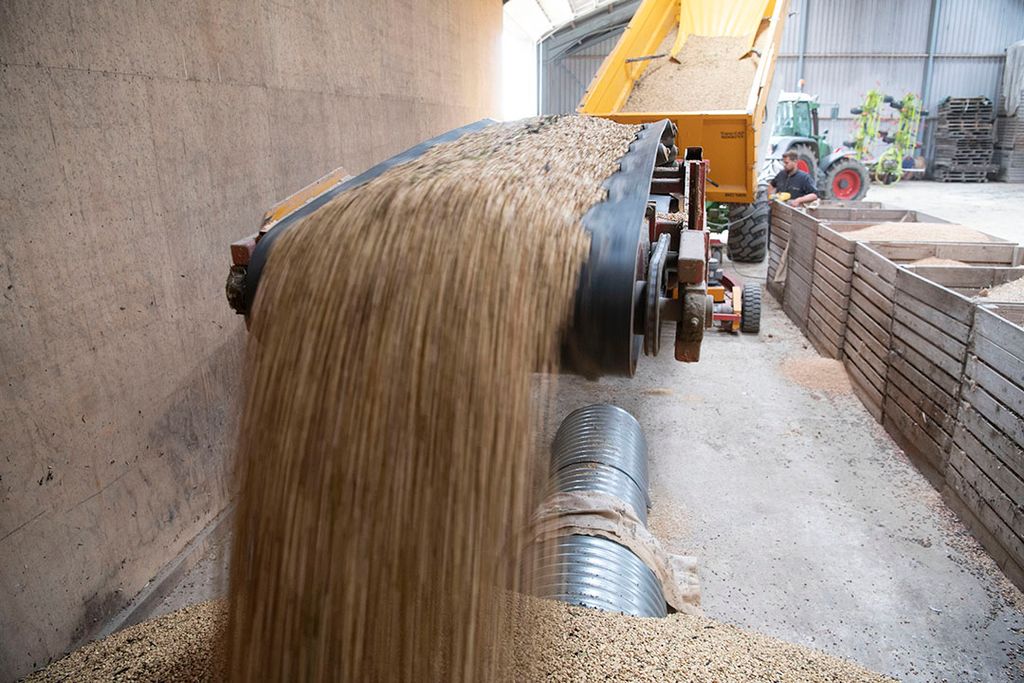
139, 139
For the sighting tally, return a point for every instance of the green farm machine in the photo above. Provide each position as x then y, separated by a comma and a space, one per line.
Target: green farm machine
837, 173
890, 168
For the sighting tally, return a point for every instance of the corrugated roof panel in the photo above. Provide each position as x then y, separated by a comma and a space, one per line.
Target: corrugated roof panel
790, 42
971, 27
871, 26
844, 83
567, 78
837, 29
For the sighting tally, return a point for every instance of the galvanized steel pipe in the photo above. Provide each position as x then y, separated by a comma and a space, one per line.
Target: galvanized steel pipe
599, 448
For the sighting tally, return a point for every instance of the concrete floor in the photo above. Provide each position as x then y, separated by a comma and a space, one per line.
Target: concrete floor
996, 208
810, 524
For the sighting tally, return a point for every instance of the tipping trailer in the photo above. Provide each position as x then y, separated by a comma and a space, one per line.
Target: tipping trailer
729, 137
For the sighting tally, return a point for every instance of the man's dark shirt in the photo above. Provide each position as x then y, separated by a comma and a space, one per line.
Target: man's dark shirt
797, 185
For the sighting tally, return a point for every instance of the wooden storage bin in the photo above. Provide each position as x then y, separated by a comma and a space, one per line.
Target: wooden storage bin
799, 266
941, 367
870, 215
998, 253
869, 324
931, 326
986, 462
968, 280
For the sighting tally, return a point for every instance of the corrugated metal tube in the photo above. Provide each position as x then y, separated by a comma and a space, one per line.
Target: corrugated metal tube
598, 448
601, 447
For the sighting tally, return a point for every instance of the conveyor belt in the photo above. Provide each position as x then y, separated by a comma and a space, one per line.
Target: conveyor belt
602, 340
262, 251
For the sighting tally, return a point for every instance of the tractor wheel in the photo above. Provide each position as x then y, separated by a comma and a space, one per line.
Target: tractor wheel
750, 313
847, 180
748, 229
807, 160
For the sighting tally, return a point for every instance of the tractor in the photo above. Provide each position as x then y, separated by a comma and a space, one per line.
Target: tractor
837, 173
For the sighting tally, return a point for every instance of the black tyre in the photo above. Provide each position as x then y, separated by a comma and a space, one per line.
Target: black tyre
748, 229
846, 180
750, 312
807, 160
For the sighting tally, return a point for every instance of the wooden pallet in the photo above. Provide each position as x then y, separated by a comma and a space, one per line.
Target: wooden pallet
1010, 131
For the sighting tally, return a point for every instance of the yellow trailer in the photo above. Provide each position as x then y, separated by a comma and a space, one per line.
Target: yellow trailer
729, 137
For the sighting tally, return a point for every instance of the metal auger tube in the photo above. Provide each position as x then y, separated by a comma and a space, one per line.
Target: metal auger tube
598, 448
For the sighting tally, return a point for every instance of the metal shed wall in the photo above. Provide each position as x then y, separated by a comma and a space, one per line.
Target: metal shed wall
569, 58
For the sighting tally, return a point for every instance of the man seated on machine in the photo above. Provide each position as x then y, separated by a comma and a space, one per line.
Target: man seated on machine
794, 182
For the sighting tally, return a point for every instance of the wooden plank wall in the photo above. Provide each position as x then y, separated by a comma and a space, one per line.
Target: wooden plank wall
974, 253
830, 291
943, 375
986, 462
870, 216
869, 324
777, 244
803, 237
930, 332
968, 280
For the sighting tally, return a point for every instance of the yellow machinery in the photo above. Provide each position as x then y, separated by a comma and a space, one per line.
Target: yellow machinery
729, 138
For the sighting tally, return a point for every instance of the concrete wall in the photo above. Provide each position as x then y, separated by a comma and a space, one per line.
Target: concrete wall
138, 140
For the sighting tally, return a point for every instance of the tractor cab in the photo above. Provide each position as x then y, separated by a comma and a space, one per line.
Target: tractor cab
796, 121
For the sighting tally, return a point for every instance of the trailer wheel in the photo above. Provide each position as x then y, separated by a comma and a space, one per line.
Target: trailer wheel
748, 229
750, 314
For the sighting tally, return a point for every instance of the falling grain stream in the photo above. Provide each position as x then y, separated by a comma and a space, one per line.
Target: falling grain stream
385, 455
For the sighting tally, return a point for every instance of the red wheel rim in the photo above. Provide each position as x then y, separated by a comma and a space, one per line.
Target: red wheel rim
846, 184
802, 165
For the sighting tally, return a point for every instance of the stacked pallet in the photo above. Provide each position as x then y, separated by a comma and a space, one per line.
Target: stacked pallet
1009, 151
964, 140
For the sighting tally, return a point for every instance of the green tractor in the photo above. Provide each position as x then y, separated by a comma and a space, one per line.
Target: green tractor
837, 173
